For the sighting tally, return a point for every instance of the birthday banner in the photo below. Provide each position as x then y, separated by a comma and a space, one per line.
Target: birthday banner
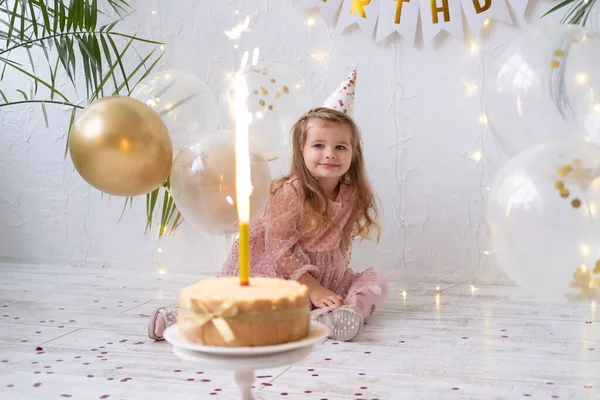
402, 16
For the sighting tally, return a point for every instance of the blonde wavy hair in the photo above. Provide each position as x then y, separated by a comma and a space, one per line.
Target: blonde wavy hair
365, 208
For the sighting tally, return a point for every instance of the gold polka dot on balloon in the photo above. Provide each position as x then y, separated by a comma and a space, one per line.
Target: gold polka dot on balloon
565, 193
277, 94
564, 171
597, 268
285, 90
559, 185
270, 108
559, 53
554, 64
576, 203
273, 80
255, 92
262, 103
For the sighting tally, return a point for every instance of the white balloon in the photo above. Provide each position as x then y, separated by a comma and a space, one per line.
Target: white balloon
545, 86
186, 105
544, 217
278, 97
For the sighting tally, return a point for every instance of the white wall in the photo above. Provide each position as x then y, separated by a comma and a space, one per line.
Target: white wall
419, 110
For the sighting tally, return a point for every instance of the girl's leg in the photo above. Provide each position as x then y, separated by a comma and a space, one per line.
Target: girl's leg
160, 320
366, 293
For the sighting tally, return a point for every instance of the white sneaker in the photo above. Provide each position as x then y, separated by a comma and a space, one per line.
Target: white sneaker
344, 323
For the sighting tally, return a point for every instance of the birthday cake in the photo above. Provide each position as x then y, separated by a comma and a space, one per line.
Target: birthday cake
221, 312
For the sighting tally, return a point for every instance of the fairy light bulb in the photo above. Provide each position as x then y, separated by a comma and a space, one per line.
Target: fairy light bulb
476, 156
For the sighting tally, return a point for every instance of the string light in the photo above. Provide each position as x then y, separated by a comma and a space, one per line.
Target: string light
597, 108
310, 21
473, 289
474, 47
476, 156
483, 119
319, 57
471, 89
162, 271
582, 78
585, 249
154, 12
159, 250
437, 288
485, 252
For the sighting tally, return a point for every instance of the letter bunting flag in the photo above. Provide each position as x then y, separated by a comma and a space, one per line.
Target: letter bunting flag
402, 16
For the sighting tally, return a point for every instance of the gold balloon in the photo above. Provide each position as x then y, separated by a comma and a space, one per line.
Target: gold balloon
120, 146
203, 185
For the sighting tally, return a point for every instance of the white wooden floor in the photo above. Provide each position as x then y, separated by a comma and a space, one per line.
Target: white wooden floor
80, 333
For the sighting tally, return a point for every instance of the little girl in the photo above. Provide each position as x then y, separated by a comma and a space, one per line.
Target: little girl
309, 224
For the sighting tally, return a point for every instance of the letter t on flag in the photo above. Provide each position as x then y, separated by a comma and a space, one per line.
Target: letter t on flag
361, 12
399, 16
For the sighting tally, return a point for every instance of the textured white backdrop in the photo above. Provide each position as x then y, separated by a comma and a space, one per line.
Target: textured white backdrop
428, 150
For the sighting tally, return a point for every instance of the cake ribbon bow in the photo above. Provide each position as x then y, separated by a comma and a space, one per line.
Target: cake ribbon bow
201, 316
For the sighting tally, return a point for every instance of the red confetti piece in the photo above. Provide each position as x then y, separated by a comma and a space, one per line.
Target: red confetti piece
205, 380
363, 387
190, 379
315, 375
455, 388
38, 348
308, 391
104, 396
328, 359
264, 376
266, 384
465, 337
37, 384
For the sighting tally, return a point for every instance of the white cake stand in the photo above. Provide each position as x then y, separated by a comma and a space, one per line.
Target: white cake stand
245, 360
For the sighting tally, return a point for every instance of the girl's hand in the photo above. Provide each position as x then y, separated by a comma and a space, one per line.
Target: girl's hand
322, 297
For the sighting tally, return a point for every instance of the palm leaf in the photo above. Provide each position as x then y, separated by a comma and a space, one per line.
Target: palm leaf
578, 13
67, 31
